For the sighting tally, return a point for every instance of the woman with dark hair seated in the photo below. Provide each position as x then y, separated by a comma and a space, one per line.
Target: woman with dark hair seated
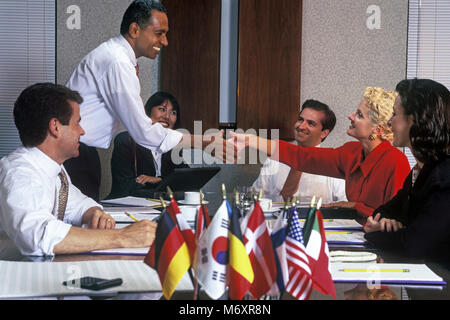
136, 171
416, 221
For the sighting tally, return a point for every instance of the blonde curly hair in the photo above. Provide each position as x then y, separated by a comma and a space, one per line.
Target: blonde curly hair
381, 105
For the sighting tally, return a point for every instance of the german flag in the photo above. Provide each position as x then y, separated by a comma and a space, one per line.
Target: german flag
240, 272
168, 255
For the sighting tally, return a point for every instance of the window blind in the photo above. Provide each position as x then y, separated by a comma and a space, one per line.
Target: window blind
428, 54
27, 56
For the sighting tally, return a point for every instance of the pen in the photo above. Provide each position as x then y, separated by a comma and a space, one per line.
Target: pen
131, 216
374, 270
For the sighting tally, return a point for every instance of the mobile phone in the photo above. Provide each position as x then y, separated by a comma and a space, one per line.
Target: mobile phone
92, 283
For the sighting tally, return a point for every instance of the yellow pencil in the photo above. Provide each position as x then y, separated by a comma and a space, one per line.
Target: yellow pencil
338, 232
131, 216
324, 220
374, 270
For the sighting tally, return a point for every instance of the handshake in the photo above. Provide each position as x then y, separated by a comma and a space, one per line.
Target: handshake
229, 149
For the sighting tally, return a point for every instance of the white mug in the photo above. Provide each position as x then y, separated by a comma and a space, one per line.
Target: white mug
192, 197
266, 204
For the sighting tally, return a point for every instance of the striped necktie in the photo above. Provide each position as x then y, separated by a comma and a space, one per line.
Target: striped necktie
63, 195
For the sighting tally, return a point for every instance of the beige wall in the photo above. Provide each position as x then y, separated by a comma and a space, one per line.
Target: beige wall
340, 57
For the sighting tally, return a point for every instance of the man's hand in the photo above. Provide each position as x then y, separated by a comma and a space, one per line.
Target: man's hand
96, 218
216, 145
139, 234
143, 179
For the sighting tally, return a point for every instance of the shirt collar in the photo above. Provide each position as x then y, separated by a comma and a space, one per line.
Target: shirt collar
373, 157
44, 162
128, 49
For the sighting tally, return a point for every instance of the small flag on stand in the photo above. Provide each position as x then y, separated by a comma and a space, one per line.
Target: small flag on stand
318, 252
168, 255
240, 273
299, 284
259, 249
202, 219
186, 231
212, 254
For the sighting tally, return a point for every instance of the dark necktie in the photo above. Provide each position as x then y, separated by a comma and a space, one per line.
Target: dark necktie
291, 184
63, 195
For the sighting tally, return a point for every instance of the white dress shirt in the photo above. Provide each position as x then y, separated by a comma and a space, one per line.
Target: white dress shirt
106, 79
29, 186
273, 175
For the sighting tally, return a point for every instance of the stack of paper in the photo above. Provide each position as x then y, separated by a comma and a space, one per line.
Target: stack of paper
338, 224
41, 279
132, 202
345, 237
385, 273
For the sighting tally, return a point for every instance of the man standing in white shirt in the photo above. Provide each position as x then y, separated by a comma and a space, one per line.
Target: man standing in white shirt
279, 182
108, 80
41, 212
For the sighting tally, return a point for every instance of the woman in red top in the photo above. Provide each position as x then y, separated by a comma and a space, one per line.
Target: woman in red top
373, 169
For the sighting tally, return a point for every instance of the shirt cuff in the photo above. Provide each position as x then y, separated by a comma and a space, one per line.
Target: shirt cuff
172, 139
54, 233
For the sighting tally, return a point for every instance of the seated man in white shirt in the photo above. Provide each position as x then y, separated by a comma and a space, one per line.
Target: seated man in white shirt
41, 212
108, 80
279, 182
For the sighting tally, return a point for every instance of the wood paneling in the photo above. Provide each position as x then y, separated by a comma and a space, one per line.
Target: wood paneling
190, 64
269, 64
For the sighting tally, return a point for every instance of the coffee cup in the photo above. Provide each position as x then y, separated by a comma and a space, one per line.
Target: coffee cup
192, 197
266, 204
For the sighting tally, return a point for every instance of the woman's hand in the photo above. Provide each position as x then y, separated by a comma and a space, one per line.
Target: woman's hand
384, 224
143, 179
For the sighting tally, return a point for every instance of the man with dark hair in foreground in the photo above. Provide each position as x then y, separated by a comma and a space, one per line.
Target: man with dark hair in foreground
41, 212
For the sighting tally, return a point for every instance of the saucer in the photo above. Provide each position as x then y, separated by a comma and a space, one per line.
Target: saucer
190, 204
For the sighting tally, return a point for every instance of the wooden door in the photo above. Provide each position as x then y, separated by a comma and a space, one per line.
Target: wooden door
190, 64
269, 65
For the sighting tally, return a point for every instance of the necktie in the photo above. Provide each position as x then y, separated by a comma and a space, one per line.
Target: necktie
63, 195
137, 70
291, 184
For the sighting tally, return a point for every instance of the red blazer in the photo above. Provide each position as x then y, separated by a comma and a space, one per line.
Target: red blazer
369, 182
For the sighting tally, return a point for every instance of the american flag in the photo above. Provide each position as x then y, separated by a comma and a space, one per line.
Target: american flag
300, 283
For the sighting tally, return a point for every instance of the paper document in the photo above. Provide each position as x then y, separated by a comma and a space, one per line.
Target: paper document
123, 218
386, 273
338, 224
132, 201
345, 237
41, 279
123, 251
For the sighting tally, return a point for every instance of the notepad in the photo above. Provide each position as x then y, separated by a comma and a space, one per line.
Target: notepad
132, 202
122, 251
345, 237
43, 279
338, 224
385, 273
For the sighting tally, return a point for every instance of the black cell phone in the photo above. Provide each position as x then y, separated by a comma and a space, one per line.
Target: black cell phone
92, 283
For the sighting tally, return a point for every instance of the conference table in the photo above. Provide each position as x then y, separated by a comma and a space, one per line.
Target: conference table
344, 291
